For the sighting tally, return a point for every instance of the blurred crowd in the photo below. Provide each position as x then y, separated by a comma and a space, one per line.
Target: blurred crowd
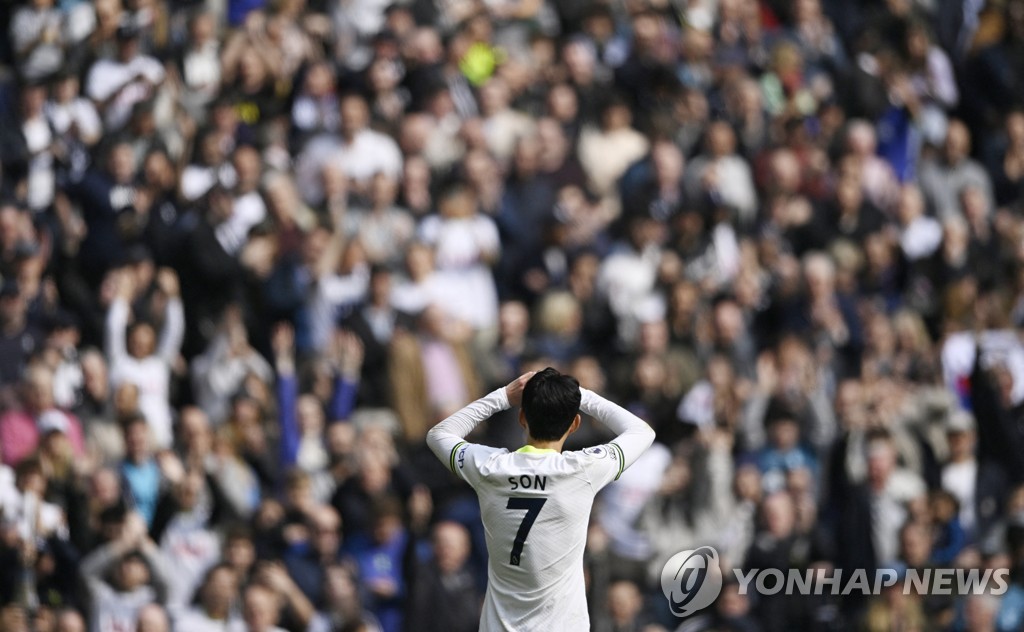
252, 250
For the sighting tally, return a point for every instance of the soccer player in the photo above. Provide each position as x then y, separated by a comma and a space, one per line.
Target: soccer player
535, 502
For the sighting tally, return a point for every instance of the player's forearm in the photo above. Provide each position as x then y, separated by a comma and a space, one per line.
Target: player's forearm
443, 437
634, 435
614, 417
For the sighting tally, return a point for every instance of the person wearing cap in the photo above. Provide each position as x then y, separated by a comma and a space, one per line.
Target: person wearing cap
979, 485
117, 84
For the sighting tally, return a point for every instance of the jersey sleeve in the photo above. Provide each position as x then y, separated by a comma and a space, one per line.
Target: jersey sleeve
447, 440
466, 459
606, 463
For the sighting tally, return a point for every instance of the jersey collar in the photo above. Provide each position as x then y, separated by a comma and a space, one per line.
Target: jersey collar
529, 449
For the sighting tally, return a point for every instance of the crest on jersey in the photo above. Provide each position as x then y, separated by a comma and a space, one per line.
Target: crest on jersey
598, 451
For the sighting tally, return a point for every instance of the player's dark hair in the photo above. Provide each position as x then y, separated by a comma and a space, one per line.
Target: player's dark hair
551, 400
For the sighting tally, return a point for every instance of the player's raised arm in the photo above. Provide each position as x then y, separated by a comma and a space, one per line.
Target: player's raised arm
446, 437
635, 436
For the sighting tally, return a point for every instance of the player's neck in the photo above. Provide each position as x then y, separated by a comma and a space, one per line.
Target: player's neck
545, 445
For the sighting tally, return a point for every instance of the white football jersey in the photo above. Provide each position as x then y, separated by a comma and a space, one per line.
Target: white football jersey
535, 506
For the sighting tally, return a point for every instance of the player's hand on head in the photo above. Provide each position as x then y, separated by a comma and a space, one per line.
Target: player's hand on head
515, 388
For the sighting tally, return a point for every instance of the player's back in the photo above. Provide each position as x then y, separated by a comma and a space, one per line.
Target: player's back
535, 506
535, 503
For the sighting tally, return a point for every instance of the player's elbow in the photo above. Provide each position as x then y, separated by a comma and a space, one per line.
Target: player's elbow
434, 436
646, 433
650, 433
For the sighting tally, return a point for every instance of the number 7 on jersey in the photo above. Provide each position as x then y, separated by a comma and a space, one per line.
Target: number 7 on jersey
532, 507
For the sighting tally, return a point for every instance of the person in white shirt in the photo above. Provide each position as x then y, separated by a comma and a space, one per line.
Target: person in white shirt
607, 152
722, 174
138, 577
186, 537
199, 65
502, 125
37, 40
535, 502
247, 208
361, 153
960, 475
466, 243
920, 234
116, 85
22, 507
75, 123
422, 286
221, 370
383, 229
143, 361
891, 490
627, 277
35, 129
71, 114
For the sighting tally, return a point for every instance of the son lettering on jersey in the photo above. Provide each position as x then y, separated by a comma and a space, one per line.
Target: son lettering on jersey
525, 481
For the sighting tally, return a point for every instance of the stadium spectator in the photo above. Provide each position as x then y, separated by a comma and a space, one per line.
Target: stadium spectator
445, 593
138, 572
